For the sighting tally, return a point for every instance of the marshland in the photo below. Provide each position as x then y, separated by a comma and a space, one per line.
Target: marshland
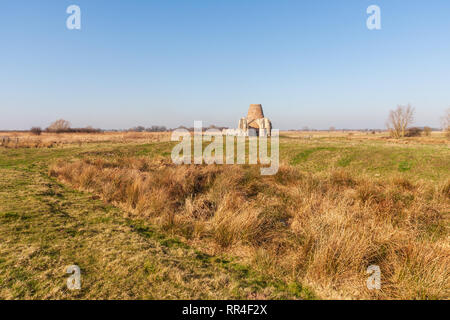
141, 227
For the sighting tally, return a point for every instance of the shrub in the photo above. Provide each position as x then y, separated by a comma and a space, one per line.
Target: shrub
427, 131
36, 131
413, 132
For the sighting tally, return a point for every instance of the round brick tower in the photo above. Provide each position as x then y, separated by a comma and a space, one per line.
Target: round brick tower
254, 112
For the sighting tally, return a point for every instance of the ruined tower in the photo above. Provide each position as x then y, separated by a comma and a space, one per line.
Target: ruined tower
255, 112
256, 121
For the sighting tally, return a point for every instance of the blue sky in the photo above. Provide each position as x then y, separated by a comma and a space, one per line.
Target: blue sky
136, 62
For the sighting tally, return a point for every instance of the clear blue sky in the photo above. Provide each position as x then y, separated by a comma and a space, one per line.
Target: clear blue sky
310, 63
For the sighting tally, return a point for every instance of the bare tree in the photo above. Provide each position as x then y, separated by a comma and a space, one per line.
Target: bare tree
60, 125
399, 120
36, 131
446, 122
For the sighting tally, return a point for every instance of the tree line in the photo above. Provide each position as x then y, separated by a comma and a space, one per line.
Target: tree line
63, 126
398, 124
400, 120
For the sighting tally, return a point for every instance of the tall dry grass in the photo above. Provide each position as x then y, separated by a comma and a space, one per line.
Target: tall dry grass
322, 230
23, 139
48, 140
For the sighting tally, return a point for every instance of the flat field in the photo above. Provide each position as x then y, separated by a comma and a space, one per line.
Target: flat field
141, 227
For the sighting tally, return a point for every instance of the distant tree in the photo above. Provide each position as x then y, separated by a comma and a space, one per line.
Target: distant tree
332, 128
446, 120
36, 131
399, 120
305, 128
88, 129
446, 123
138, 129
156, 129
427, 131
60, 125
413, 132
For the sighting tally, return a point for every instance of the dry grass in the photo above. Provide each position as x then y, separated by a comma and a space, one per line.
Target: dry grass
50, 140
435, 137
344, 202
44, 227
322, 229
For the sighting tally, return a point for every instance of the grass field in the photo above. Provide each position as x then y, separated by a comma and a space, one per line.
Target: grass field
141, 228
